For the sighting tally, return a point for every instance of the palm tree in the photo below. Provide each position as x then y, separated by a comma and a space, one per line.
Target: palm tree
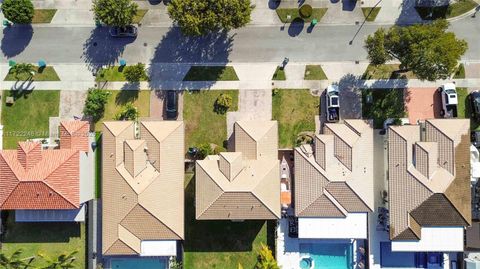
266, 259
14, 261
22, 69
64, 261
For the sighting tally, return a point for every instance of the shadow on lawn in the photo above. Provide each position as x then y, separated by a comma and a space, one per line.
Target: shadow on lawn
177, 48
38, 232
217, 236
126, 96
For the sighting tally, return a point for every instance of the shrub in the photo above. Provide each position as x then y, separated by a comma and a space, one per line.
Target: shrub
204, 150
223, 103
135, 73
305, 11
129, 112
18, 11
95, 103
266, 260
24, 69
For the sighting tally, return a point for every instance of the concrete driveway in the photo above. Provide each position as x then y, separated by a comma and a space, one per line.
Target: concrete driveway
422, 103
157, 105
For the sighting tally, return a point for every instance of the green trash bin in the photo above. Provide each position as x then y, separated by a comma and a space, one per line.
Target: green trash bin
11, 63
314, 22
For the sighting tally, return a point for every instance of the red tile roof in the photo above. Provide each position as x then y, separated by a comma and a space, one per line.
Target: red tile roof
32, 178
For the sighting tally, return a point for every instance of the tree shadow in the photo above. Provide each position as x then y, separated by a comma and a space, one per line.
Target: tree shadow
408, 14
15, 39
349, 5
101, 49
273, 4
126, 96
296, 27
175, 48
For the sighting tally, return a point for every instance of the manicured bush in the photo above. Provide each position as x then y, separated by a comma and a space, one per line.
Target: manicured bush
128, 112
204, 150
135, 73
18, 11
305, 11
223, 103
95, 103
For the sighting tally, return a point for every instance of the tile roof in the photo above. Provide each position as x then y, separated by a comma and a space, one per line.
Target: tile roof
244, 184
429, 182
334, 176
34, 178
142, 188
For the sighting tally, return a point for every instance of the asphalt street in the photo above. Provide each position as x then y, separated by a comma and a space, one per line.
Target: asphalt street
167, 45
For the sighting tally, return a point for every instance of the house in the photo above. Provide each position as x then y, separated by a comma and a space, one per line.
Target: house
429, 190
244, 184
142, 188
334, 182
45, 183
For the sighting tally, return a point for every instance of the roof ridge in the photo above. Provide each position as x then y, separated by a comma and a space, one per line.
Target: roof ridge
356, 194
249, 135
198, 217
264, 205
456, 209
211, 179
335, 202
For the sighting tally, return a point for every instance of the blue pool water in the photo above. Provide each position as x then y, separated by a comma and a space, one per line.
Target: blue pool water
138, 263
329, 255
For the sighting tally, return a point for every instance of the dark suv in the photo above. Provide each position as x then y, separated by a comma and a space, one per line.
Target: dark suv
171, 105
475, 105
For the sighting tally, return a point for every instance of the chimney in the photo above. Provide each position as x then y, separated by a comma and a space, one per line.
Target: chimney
135, 156
29, 154
324, 150
230, 164
425, 158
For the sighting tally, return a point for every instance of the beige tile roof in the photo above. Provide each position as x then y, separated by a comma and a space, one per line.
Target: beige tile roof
142, 184
334, 177
429, 181
244, 184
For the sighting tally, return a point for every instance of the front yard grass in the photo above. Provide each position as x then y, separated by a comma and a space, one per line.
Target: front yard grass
279, 74
387, 71
386, 103
50, 239
211, 73
295, 112
117, 99
463, 107
314, 72
202, 123
139, 16
112, 73
43, 15
41, 74
28, 117
445, 12
221, 244
317, 13
370, 13
460, 73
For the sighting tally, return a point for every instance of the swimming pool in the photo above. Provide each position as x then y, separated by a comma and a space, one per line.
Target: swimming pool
329, 255
138, 263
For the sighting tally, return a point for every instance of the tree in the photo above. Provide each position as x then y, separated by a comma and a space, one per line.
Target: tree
201, 17
117, 13
428, 50
95, 103
223, 103
18, 11
22, 69
266, 259
135, 73
14, 261
128, 112
64, 261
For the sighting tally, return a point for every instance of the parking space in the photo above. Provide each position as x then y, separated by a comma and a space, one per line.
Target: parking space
157, 105
422, 103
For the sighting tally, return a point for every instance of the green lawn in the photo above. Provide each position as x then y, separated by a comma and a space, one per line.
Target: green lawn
386, 103
117, 99
314, 72
370, 13
139, 16
41, 74
293, 12
460, 73
98, 165
463, 103
446, 12
43, 15
50, 239
386, 71
112, 73
295, 112
211, 73
28, 116
279, 74
202, 124
221, 244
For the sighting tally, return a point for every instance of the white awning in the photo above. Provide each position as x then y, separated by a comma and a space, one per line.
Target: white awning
159, 248
442, 239
354, 226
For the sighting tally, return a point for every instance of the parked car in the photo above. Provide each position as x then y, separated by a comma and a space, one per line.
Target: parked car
171, 105
448, 94
475, 138
332, 101
127, 31
475, 104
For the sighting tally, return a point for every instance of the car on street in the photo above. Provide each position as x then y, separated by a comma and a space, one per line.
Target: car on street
475, 138
332, 102
171, 105
127, 31
449, 98
475, 105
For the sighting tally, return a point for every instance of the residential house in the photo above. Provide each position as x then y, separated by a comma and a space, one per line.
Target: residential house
46, 182
142, 188
243, 184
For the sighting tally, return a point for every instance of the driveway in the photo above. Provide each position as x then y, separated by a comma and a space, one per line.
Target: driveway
71, 104
157, 102
422, 103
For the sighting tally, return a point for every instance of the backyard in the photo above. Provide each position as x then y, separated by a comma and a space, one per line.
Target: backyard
202, 123
381, 104
221, 244
54, 239
295, 112
29, 115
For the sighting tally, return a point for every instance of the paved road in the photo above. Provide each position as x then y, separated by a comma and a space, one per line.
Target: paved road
167, 45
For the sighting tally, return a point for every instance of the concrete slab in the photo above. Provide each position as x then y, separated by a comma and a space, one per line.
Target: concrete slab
472, 70
336, 70
295, 71
245, 72
74, 17
156, 17
343, 12
71, 104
